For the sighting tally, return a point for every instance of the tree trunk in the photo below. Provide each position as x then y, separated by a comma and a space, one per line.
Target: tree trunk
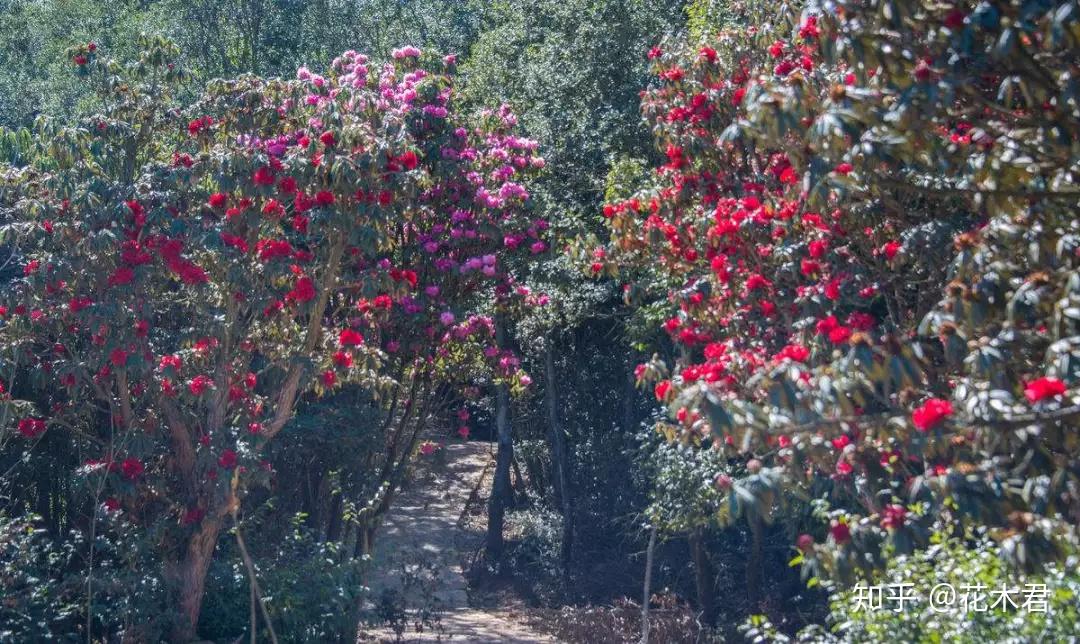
754, 562
333, 530
363, 541
703, 577
646, 590
187, 576
559, 460
500, 486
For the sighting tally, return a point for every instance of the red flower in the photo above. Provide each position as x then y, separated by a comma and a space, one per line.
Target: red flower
795, 352
329, 378
737, 96
218, 200
890, 249
198, 125
199, 384
31, 427
893, 517
287, 185
756, 282
840, 532
343, 359
272, 208
324, 198
327, 138
300, 224
121, 276
136, 208
840, 335
264, 176
132, 468
832, 289
931, 413
844, 168
805, 543
809, 267
350, 338
304, 291
662, 389
1043, 388
409, 160
227, 460
77, 304
173, 362
235, 241
191, 273
118, 357
809, 29
268, 249
655, 52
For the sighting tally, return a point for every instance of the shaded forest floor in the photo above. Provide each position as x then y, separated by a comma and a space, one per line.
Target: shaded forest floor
422, 552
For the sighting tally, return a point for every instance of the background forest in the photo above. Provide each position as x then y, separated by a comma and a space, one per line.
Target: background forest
757, 305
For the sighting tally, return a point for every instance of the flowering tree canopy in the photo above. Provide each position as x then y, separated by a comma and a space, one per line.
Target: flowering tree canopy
865, 236
189, 273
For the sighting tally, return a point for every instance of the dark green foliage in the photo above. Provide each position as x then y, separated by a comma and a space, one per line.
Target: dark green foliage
44, 582
312, 588
572, 70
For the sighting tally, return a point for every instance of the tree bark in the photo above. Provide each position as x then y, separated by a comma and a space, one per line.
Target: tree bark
755, 561
500, 486
560, 460
703, 577
646, 590
187, 575
333, 530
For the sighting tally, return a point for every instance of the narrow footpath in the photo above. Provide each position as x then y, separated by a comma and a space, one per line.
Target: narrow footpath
420, 552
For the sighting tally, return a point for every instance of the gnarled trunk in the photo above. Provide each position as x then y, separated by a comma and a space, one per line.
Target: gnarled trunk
187, 578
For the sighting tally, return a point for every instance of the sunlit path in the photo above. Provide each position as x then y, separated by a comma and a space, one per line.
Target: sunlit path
422, 538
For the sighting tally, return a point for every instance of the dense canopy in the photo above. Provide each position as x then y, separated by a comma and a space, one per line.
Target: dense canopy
779, 303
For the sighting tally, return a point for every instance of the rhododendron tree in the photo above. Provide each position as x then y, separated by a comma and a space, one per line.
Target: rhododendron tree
864, 232
190, 273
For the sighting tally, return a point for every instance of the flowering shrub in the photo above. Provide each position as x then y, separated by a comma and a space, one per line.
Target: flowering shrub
190, 273
949, 592
864, 235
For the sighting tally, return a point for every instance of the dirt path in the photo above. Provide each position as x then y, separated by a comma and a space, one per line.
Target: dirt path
419, 554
